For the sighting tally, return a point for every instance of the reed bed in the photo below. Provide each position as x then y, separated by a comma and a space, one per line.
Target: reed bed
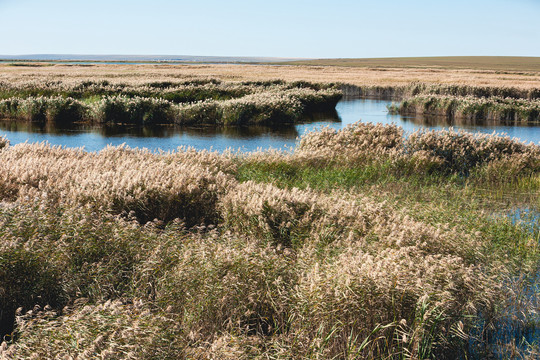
262, 107
443, 151
504, 110
139, 74
212, 100
177, 91
131, 254
416, 88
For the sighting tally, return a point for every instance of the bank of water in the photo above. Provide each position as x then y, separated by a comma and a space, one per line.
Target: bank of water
249, 138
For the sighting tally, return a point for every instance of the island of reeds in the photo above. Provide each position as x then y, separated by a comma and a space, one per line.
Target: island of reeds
362, 243
207, 102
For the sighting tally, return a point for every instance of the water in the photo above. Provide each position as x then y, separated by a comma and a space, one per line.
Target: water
248, 138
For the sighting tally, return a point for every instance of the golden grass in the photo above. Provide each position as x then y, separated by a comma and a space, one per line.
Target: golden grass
353, 75
249, 270
499, 63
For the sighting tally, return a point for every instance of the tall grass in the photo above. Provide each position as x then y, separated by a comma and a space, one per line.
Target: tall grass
130, 254
505, 110
275, 106
4, 142
416, 88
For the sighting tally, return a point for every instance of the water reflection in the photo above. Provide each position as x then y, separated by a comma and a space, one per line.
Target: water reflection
443, 121
159, 131
246, 138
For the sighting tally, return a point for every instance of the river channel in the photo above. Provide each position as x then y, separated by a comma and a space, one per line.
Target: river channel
248, 138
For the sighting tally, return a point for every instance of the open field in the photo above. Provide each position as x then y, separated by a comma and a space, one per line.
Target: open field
358, 243
317, 74
496, 63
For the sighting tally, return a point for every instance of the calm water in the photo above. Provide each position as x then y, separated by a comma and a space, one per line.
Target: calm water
347, 112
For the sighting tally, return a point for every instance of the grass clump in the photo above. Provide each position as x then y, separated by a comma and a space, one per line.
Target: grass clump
165, 103
137, 110
505, 110
117, 180
43, 109
360, 243
251, 291
26, 279
110, 329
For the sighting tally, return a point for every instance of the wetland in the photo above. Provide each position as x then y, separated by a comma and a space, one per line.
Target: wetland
326, 237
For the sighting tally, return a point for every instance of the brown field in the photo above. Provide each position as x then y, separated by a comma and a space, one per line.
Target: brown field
365, 75
498, 63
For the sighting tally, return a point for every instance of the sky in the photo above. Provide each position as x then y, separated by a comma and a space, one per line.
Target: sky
273, 28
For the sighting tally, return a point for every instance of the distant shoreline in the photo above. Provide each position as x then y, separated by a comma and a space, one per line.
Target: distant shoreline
491, 63
24, 62
147, 59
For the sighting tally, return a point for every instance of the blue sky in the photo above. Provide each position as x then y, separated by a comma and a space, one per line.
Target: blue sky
280, 28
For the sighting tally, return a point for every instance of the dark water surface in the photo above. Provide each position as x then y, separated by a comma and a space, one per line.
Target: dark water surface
249, 138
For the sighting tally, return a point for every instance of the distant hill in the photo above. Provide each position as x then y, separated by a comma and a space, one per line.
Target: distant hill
145, 58
498, 63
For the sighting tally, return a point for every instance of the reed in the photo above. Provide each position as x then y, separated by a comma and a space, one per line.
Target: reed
389, 250
4, 142
416, 88
272, 106
504, 110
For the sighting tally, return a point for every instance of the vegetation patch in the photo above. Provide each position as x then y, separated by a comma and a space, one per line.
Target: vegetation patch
478, 110
210, 102
360, 243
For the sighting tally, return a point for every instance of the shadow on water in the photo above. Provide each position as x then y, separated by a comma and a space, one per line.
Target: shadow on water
158, 131
164, 137
439, 121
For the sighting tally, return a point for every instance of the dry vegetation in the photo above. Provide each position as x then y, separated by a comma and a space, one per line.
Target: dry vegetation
315, 74
494, 63
130, 254
250, 94
359, 243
